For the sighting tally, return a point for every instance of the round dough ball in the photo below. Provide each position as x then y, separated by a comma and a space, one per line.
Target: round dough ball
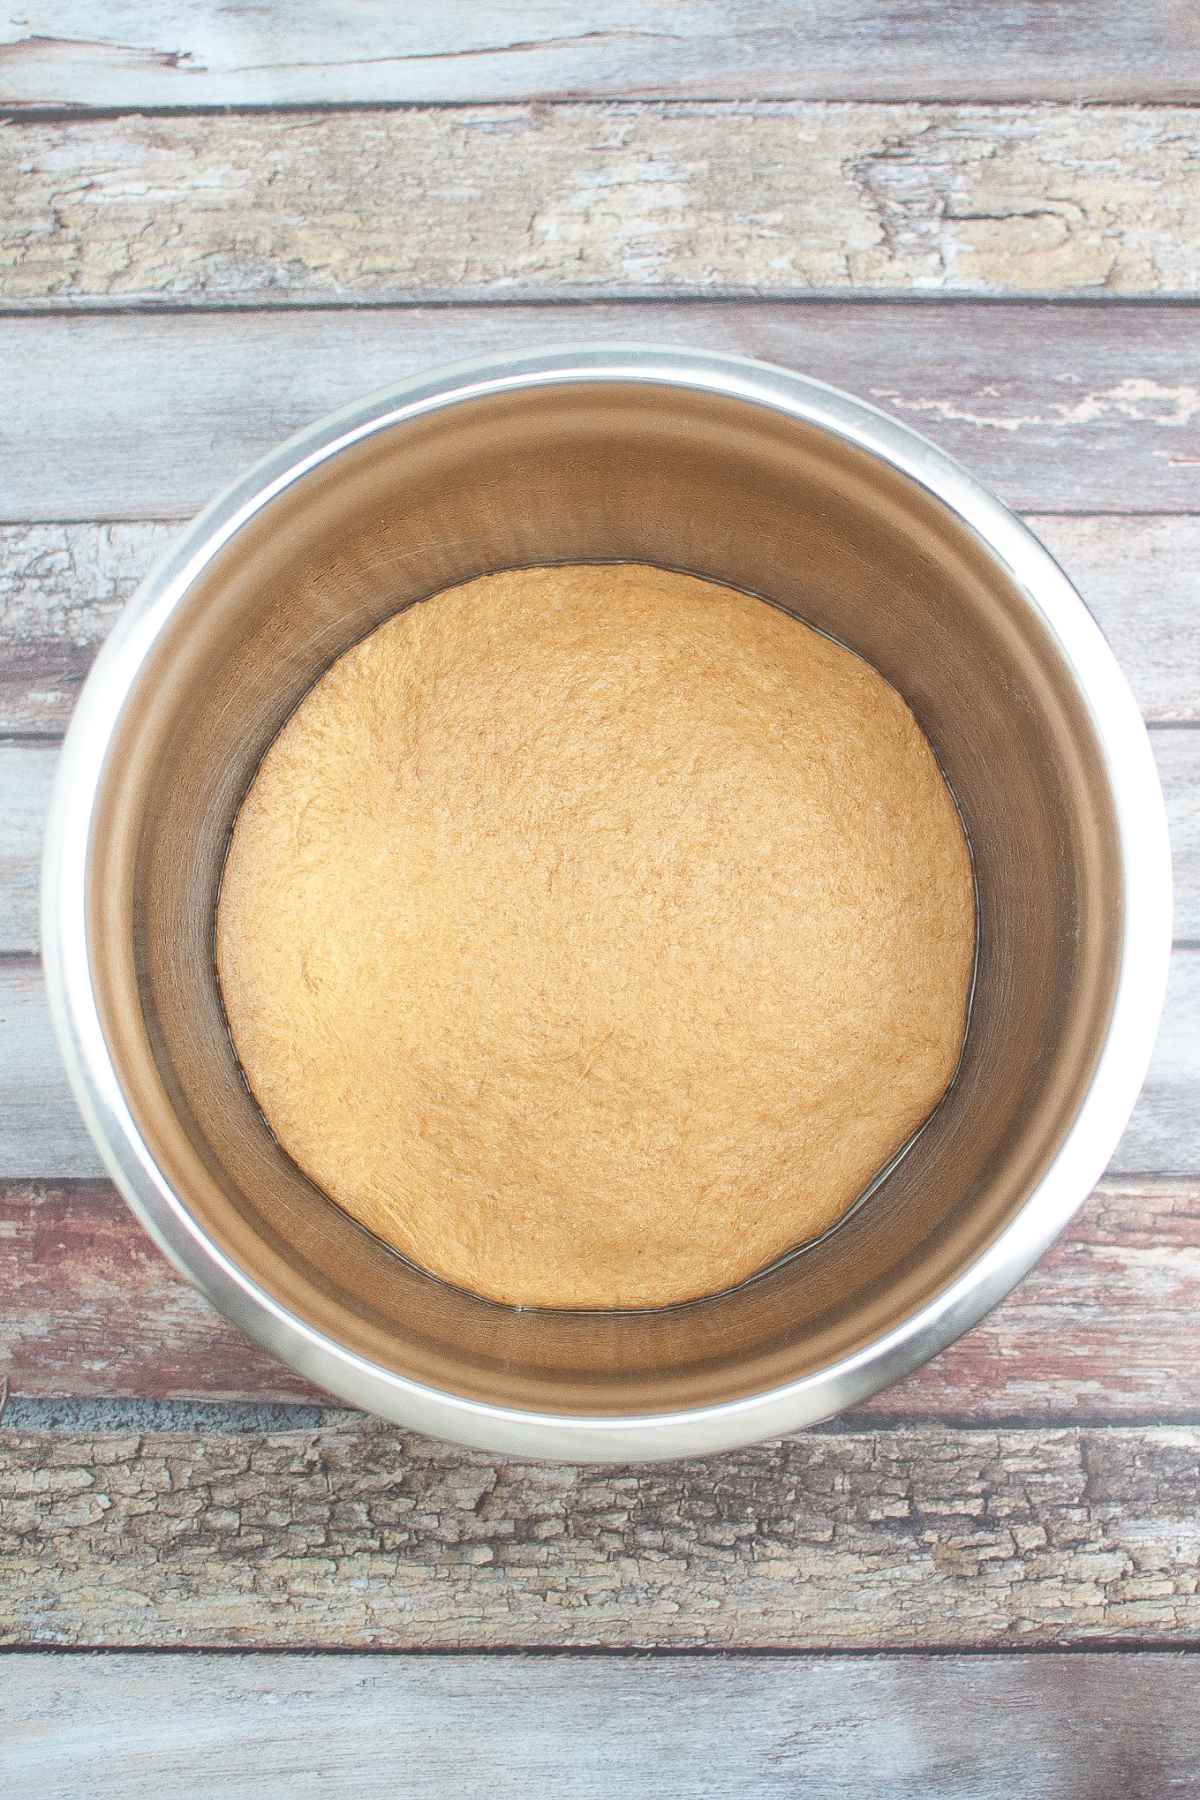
595, 934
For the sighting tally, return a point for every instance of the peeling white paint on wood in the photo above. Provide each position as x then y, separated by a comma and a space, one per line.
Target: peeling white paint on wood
1135, 398
774, 199
145, 417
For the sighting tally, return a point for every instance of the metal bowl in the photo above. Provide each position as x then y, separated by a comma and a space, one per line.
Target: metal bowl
733, 470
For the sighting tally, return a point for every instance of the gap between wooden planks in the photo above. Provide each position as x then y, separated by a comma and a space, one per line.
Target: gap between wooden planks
163, 53
1102, 1327
593, 1727
1150, 1575
1060, 408
360, 1535
778, 198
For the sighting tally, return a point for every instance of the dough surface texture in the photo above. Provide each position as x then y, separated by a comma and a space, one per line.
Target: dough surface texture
594, 934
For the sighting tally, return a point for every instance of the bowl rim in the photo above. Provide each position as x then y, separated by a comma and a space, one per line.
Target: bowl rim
1144, 867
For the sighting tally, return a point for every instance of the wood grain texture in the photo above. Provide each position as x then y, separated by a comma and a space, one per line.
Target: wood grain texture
1059, 408
1103, 1327
39, 1121
92, 1308
357, 1535
1164, 1132
129, 1727
1177, 754
26, 773
1141, 579
586, 201
61, 587
163, 53
42, 1135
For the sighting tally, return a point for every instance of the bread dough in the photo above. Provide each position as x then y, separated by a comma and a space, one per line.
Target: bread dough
595, 934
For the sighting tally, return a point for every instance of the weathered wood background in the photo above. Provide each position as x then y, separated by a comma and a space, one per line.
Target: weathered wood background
1036, 1724
220, 221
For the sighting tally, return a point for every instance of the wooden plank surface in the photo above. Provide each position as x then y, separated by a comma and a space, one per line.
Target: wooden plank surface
357, 1535
61, 587
42, 1135
1103, 1327
1177, 754
40, 1124
1060, 408
26, 772
588, 1728
779, 198
812, 155
163, 53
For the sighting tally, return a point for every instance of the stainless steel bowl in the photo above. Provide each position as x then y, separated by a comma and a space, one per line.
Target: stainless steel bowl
752, 476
